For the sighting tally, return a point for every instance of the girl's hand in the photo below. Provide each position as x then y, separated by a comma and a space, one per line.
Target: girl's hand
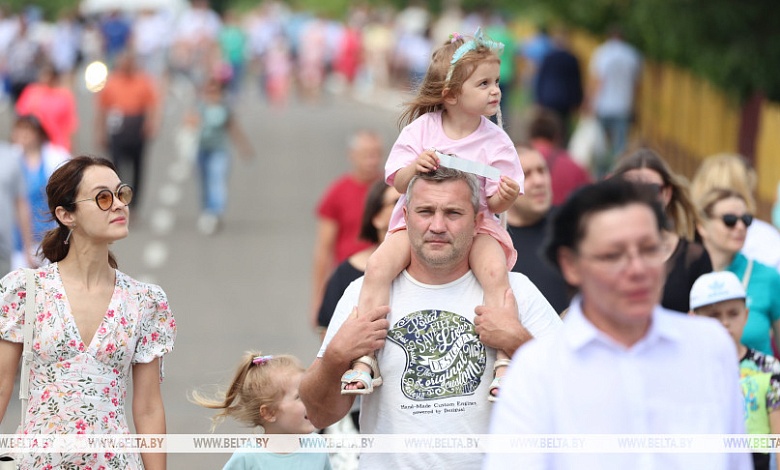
508, 189
427, 161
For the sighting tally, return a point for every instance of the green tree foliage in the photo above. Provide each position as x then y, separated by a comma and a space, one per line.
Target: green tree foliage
327, 8
733, 44
50, 8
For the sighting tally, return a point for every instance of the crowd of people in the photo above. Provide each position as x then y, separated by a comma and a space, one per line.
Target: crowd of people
630, 262
502, 281
281, 49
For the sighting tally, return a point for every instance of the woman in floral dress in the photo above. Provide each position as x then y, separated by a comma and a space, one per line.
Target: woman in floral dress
94, 326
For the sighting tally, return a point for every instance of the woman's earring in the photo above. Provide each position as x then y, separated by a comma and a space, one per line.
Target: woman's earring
67, 239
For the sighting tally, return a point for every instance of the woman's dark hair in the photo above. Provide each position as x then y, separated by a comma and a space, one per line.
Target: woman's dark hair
569, 222
375, 202
61, 190
681, 211
546, 125
48, 72
34, 123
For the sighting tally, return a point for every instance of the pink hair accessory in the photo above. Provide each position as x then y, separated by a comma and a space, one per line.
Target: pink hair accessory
260, 360
454, 37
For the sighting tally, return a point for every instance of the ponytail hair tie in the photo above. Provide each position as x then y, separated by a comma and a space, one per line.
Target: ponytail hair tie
455, 36
261, 360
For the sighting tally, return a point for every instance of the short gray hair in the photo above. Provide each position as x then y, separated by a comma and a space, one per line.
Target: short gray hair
444, 174
354, 140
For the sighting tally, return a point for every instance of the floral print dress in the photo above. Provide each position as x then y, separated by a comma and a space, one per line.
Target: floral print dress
78, 388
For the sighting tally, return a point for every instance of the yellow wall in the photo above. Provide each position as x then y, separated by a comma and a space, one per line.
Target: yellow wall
768, 152
688, 119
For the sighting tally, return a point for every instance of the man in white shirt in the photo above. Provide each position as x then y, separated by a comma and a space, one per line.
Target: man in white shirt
438, 365
621, 364
614, 78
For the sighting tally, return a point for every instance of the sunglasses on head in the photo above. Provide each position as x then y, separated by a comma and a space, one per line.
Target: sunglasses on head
730, 220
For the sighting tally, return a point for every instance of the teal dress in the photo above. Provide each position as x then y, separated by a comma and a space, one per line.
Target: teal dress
763, 302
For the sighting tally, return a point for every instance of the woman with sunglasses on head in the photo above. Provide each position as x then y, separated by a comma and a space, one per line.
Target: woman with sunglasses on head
686, 259
94, 326
725, 219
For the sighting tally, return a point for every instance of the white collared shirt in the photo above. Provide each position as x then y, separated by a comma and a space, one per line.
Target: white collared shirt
681, 378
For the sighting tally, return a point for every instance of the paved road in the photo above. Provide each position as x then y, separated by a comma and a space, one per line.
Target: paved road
248, 286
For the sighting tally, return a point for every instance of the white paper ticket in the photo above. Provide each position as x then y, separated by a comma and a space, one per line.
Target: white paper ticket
469, 166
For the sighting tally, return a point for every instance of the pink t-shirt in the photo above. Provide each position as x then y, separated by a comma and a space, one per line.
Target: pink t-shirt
489, 144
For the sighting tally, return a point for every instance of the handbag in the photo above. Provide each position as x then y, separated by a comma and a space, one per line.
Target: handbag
588, 142
7, 462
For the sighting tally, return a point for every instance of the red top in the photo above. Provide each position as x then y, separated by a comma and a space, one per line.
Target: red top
566, 174
343, 203
54, 107
349, 57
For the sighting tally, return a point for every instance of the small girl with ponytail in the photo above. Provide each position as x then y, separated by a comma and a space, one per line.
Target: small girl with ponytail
264, 393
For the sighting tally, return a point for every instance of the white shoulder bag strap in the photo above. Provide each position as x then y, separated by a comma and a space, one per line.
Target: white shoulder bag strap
27, 353
746, 276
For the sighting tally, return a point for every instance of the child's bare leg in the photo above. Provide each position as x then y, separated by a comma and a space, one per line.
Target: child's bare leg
384, 265
499, 369
390, 258
488, 262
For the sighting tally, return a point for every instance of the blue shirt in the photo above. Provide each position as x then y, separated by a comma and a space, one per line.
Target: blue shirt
250, 460
116, 32
36, 179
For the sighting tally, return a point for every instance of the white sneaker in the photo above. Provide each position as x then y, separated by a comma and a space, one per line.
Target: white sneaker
208, 223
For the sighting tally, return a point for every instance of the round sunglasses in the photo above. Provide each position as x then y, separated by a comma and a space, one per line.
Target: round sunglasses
730, 220
105, 197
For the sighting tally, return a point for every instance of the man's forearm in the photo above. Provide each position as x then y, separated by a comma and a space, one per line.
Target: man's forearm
320, 391
519, 337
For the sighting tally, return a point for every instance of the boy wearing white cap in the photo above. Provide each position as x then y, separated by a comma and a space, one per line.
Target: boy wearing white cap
721, 296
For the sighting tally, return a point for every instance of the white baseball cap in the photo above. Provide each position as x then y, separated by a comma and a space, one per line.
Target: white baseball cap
716, 287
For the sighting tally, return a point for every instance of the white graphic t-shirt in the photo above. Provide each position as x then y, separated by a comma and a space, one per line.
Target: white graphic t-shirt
436, 371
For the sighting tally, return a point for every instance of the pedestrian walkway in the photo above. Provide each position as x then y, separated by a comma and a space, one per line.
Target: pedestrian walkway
248, 286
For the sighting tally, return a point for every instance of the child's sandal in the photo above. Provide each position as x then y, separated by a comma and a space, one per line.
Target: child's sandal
353, 376
496, 383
